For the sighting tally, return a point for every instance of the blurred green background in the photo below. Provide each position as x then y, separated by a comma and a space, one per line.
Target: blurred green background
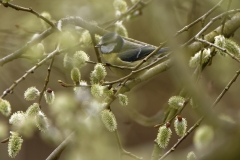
159, 20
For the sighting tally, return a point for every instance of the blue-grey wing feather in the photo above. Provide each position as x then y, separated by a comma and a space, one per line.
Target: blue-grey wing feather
135, 54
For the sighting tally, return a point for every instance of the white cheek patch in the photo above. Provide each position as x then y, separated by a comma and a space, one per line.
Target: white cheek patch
108, 48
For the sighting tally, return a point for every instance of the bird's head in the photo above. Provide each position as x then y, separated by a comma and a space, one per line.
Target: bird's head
110, 42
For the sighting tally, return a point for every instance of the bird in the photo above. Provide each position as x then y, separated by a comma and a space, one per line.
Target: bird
117, 51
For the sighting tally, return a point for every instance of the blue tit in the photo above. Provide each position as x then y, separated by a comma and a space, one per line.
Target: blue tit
118, 51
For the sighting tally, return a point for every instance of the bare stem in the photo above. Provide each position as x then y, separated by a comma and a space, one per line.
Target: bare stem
209, 24
222, 49
186, 28
31, 70
139, 70
225, 17
177, 113
137, 6
72, 85
182, 138
57, 152
226, 89
122, 151
30, 10
10, 89
46, 80
96, 49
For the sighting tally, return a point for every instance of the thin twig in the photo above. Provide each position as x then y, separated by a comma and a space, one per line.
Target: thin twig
57, 152
46, 80
225, 17
30, 10
72, 85
177, 113
29, 44
226, 89
182, 138
209, 24
139, 70
186, 28
49, 56
137, 6
10, 89
5, 140
122, 151
110, 65
220, 48
95, 49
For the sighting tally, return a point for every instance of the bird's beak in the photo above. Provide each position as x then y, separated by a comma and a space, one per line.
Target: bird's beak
98, 46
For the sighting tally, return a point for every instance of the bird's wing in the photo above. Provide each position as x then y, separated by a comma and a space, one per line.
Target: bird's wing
132, 55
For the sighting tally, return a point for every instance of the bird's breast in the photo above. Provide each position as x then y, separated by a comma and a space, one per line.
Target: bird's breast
113, 59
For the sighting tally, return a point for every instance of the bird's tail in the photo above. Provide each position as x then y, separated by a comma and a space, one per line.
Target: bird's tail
162, 50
